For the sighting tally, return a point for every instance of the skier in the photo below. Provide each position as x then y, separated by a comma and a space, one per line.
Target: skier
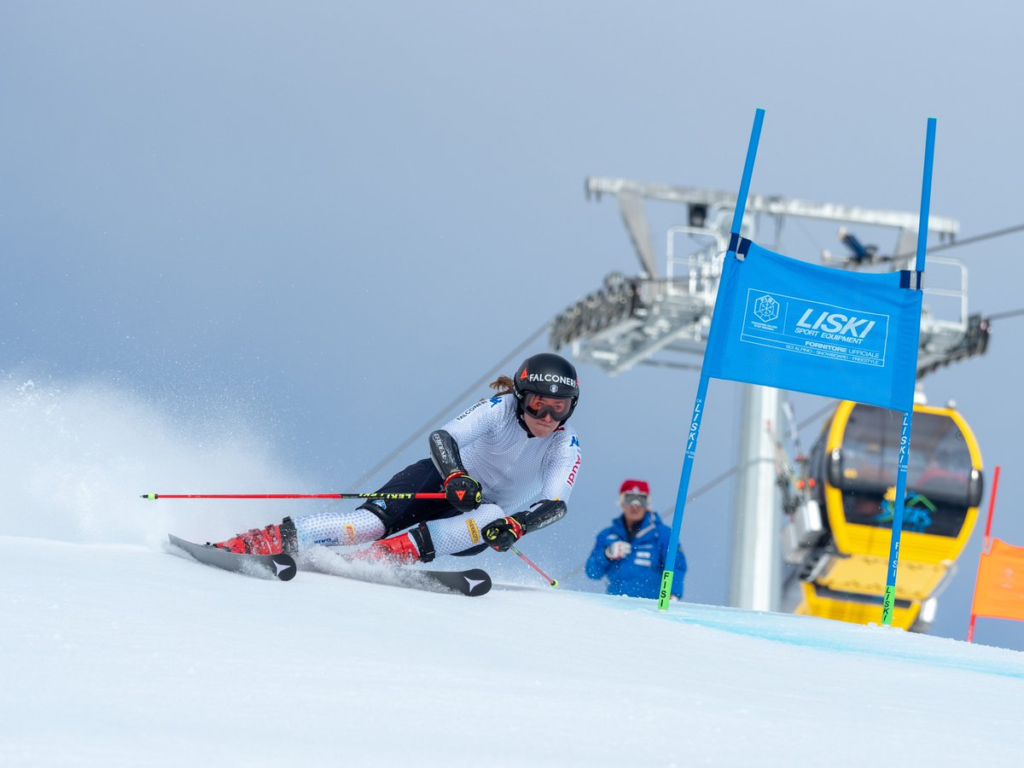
498, 456
633, 550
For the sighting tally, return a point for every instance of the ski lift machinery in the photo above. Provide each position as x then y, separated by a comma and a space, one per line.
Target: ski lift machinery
650, 319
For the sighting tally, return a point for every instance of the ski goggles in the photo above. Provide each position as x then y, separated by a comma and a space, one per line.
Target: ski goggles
539, 406
639, 499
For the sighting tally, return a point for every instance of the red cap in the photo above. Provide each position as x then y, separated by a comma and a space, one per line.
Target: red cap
635, 486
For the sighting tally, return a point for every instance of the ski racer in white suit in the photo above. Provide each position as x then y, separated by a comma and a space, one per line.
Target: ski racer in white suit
491, 462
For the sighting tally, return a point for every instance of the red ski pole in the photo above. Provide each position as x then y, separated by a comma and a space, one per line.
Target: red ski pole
154, 496
533, 565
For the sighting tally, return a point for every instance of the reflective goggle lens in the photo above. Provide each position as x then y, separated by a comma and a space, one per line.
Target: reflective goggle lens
634, 498
539, 406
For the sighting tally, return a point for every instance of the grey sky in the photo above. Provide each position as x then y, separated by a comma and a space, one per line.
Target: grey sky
333, 217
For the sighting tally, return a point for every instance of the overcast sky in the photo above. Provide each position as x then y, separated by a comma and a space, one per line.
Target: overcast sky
325, 220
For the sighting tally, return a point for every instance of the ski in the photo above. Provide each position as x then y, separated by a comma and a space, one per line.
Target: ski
473, 582
277, 566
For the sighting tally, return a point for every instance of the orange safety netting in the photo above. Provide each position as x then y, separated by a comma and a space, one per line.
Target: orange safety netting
999, 592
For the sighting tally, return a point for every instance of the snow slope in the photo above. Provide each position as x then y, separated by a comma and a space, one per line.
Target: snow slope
127, 654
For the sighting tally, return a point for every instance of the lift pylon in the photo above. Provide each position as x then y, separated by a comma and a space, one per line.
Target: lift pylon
663, 318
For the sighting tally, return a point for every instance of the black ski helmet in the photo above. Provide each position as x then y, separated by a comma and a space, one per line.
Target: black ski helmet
549, 375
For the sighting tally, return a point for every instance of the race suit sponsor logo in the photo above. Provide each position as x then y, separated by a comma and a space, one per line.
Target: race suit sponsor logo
474, 531
572, 475
470, 410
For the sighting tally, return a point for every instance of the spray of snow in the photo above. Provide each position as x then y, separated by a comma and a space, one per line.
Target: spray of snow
75, 459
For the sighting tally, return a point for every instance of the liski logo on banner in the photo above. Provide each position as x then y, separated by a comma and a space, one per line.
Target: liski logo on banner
812, 328
788, 324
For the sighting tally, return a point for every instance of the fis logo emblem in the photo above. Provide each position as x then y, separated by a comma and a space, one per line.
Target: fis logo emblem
766, 308
496, 400
574, 442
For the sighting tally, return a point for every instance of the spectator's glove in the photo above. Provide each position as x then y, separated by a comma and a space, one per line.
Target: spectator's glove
503, 533
618, 550
462, 491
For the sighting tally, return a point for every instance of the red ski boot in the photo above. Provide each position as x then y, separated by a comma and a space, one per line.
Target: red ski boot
272, 540
396, 550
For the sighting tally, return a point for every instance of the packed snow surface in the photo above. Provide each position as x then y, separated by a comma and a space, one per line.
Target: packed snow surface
130, 654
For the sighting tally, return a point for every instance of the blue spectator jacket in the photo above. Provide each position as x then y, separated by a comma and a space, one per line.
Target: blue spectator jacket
638, 574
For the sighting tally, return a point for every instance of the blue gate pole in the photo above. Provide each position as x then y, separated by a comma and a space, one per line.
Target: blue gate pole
889, 599
702, 388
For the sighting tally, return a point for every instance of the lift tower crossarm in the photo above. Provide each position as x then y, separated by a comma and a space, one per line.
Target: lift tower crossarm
774, 205
632, 319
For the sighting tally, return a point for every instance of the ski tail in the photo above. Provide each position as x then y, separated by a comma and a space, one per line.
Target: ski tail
472, 583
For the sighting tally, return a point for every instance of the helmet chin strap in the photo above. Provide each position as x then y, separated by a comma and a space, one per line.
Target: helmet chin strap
521, 418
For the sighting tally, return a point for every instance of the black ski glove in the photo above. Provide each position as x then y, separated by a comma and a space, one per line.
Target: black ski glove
503, 533
462, 491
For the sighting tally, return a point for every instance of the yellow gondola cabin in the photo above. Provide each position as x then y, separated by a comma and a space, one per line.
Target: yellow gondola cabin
839, 535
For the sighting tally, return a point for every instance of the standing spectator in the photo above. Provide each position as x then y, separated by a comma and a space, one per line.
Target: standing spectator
632, 551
